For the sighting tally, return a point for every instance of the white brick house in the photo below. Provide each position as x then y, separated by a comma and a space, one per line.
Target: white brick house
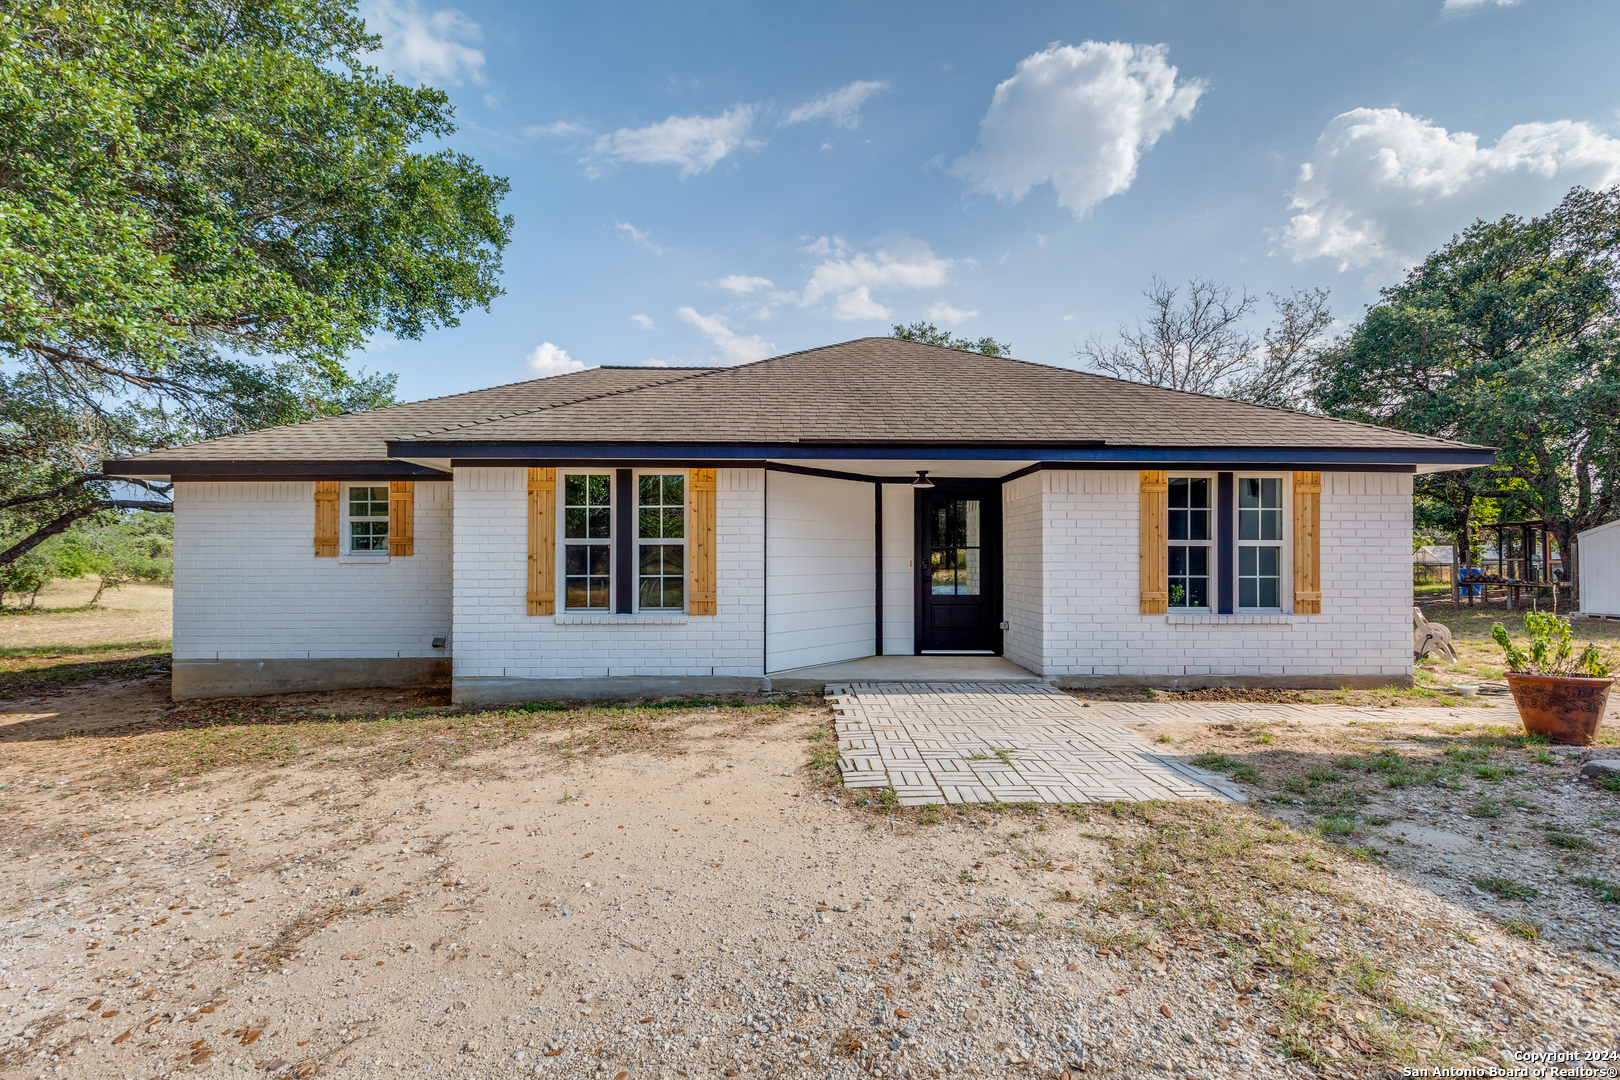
632, 530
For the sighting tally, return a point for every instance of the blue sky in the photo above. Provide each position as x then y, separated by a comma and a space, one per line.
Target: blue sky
710, 183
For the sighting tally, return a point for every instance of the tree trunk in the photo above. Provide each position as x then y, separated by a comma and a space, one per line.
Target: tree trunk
101, 587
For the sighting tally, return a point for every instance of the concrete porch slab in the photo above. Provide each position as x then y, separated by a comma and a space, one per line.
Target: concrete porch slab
912, 669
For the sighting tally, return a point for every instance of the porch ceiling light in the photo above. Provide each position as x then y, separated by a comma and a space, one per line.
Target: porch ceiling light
922, 481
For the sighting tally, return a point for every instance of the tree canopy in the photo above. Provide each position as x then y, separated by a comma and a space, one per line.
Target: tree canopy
1507, 336
929, 334
205, 209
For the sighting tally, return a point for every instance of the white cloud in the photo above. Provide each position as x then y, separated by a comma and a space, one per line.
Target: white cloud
548, 360
743, 285
427, 47
734, 347
638, 237
643, 321
842, 106
1383, 186
942, 312
1079, 116
557, 129
655, 363
694, 143
850, 278
1463, 7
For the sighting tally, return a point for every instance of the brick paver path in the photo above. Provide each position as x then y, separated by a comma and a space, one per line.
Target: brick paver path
1001, 742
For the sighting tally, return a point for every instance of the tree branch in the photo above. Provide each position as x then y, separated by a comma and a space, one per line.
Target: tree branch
61, 524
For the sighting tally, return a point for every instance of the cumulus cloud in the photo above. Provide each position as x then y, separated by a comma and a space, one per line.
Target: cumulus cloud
425, 46
643, 321
547, 360
695, 144
1383, 186
850, 278
734, 348
655, 363
743, 285
941, 312
638, 237
1079, 117
1463, 7
842, 106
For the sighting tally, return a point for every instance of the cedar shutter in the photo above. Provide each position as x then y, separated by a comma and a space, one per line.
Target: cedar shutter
326, 518
701, 492
1307, 543
402, 517
1155, 553
542, 541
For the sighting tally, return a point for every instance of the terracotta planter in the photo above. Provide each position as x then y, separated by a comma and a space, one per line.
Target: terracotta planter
1566, 709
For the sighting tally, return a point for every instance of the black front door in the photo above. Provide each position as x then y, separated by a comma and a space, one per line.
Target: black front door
959, 567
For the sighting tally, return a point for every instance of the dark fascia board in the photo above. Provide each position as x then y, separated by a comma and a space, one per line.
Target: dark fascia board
1132, 456
227, 470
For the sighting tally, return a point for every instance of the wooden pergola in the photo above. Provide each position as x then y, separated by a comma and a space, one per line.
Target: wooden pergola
1530, 568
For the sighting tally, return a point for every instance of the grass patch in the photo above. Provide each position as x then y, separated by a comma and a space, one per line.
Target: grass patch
1505, 888
1239, 770
1569, 842
1486, 808
1606, 891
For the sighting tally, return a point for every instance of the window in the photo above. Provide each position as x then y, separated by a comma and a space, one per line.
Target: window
954, 551
368, 520
588, 541
1259, 569
661, 541
1190, 540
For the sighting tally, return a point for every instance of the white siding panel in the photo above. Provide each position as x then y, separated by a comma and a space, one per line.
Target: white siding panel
899, 573
1022, 589
821, 571
496, 637
1599, 553
247, 584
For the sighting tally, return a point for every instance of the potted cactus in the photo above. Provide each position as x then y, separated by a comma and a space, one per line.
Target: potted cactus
1559, 694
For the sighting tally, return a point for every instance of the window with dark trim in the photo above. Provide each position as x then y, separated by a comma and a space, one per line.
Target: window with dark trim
661, 541
1260, 542
1191, 538
588, 541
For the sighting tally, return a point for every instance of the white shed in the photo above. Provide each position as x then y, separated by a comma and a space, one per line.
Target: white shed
1599, 550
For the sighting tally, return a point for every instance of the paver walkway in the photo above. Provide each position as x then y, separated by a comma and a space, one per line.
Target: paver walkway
1001, 742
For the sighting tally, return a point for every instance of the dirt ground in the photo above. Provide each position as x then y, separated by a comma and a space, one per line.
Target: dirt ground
310, 885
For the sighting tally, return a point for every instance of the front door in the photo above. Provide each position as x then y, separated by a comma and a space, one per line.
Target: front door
959, 567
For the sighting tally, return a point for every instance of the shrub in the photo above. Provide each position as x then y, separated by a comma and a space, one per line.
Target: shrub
1552, 643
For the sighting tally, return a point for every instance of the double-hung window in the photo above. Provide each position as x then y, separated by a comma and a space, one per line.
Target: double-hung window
368, 520
588, 541
661, 541
1190, 539
1260, 542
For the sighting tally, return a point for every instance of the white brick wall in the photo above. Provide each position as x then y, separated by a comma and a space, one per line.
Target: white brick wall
247, 584
1021, 583
1088, 620
496, 637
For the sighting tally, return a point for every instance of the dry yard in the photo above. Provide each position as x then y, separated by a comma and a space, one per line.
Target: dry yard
376, 884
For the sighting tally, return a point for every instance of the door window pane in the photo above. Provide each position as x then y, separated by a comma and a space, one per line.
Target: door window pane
956, 551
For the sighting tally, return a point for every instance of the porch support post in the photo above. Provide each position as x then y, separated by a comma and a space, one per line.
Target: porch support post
1226, 553
624, 544
877, 563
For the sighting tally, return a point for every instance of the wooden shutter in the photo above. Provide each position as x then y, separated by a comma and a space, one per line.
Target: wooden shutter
542, 541
1155, 553
402, 517
326, 518
1307, 543
701, 492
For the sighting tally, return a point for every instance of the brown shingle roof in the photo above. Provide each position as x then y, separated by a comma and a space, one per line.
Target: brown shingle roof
877, 390
364, 436
870, 391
